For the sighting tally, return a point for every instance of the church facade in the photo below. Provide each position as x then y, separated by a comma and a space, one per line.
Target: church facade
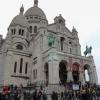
35, 52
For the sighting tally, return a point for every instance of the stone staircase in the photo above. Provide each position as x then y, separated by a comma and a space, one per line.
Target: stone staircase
54, 87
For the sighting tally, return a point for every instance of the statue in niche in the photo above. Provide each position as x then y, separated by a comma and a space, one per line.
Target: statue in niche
51, 40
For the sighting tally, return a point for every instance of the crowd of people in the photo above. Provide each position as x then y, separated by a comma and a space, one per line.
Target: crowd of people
84, 92
18, 93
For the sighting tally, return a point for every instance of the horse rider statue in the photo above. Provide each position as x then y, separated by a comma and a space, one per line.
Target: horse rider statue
88, 50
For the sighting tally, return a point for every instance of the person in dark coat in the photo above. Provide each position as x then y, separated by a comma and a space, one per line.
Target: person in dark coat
54, 96
39, 97
35, 95
44, 97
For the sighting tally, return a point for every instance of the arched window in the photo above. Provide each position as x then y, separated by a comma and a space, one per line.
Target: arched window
19, 47
21, 65
30, 29
46, 72
22, 32
15, 67
26, 67
19, 31
70, 50
60, 21
62, 42
14, 31
35, 29
35, 73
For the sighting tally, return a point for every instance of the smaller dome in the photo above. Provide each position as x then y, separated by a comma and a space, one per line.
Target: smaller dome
20, 19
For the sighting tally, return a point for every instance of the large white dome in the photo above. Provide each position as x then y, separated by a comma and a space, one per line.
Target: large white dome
35, 11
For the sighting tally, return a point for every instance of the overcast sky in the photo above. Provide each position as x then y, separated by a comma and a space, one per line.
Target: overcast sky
83, 14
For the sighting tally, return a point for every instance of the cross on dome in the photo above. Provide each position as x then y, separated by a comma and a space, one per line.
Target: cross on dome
35, 2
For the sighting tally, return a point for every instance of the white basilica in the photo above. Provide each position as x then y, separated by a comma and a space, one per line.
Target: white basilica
35, 52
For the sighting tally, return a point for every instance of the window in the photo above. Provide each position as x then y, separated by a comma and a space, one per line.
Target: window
46, 72
70, 42
60, 21
31, 17
62, 42
22, 32
26, 67
14, 31
21, 64
35, 29
15, 67
70, 50
19, 31
35, 74
30, 29
19, 47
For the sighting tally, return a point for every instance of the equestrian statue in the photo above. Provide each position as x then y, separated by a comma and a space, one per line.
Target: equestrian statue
88, 50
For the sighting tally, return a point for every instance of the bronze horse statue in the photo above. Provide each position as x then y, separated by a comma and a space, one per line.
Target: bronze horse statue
88, 50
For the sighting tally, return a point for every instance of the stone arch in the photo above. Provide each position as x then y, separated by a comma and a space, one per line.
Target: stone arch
24, 46
75, 71
63, 72
87, 72
46, 72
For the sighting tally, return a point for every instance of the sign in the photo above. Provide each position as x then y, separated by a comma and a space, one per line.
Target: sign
75, 86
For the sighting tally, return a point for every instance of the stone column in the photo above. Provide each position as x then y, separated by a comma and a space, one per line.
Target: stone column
93, 75
50, 63
69, 75
53, 72
81, 77
53, 67
69, 69
93, 72
90, 76
81, 72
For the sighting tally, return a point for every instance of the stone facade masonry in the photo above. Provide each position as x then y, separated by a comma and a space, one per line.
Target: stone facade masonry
29, 56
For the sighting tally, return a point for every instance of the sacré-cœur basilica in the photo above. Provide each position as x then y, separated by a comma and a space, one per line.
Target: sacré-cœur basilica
35, 52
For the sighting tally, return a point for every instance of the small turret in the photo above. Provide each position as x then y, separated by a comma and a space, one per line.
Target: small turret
59, 19
74, 31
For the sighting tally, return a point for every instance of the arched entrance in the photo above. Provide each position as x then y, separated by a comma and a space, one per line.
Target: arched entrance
86, 73
75, 72
46, 72
63, 72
